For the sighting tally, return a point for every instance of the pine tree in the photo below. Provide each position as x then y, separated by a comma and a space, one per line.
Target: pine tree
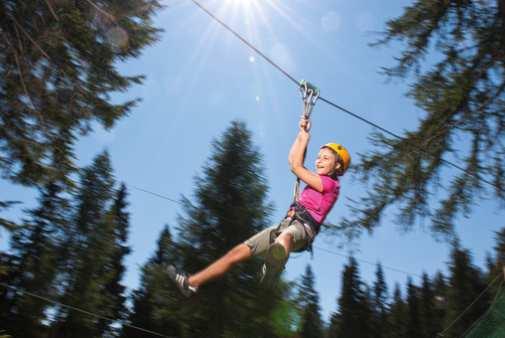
59, 68
118, 218
354, 314
230, 205
398, 315
155, 302
429, 321
440, 290
465, 284
463, 96
380, 306
500, 247
98, 242
308, 303
33, 267
414, 319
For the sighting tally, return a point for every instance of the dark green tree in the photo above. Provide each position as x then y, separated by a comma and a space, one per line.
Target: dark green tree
308, 303
59, 66
431, 324
229, 206
33, 267
380, 305
155, 302
497, 263
334, 326
354, 313
118, 220
462, 92
398, 315
440, 290
96, 248
500, 247
465, 285
414, 329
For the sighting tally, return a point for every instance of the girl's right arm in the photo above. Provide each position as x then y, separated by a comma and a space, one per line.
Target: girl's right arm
296, 158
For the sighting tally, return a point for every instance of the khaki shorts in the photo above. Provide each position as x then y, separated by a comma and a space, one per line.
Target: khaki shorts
260, 243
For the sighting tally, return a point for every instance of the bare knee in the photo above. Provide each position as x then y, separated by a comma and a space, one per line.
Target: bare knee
286, 240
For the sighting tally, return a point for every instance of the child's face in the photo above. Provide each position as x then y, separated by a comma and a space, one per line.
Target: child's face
326, 162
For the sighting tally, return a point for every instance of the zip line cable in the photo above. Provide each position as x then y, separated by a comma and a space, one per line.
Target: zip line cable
250, 45
89, 313
441, 334
332, 104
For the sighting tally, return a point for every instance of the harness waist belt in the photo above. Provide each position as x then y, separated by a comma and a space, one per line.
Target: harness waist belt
305, 217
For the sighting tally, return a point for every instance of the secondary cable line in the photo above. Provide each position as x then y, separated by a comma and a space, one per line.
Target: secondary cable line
441, 334
316, 247
89, 313
156, 194
332, 104
485, 313
368, 262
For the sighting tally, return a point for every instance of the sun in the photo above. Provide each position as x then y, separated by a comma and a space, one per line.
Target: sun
241, 2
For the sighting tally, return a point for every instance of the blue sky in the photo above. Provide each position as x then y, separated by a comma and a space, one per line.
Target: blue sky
200, 77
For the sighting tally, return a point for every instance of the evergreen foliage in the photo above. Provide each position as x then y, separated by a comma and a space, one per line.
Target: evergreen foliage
59, 67
230, 206
428, 316
414, 329
465, 284
354, 314
398, 315
155, 302
96, 248
463, 96
308, 303
380, 305
36, 260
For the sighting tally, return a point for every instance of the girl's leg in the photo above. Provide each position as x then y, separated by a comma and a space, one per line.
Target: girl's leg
278, 253
238, 254
286, 240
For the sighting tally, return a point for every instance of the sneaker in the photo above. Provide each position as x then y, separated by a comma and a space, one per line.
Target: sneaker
181, 280
263, 272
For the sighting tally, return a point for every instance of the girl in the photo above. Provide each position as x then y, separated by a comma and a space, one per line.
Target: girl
301, 224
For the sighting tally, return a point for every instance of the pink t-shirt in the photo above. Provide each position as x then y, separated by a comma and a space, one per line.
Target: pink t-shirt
319, 204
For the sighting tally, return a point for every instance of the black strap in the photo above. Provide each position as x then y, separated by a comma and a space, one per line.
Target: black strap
305, 217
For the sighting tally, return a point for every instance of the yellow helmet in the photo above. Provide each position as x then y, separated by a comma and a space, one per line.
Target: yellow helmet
345, 157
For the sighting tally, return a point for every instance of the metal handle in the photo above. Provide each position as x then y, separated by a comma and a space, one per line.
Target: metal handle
310, 94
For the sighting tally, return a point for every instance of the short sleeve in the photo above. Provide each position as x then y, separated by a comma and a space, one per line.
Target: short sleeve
329, 184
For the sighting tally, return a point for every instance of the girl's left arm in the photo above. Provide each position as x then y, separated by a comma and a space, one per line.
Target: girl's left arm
296, 158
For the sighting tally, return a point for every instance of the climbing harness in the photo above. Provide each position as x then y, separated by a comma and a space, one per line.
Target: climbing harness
310, 94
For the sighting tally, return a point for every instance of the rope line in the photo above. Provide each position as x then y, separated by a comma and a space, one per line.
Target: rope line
332, 104
441, 334
89, 313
